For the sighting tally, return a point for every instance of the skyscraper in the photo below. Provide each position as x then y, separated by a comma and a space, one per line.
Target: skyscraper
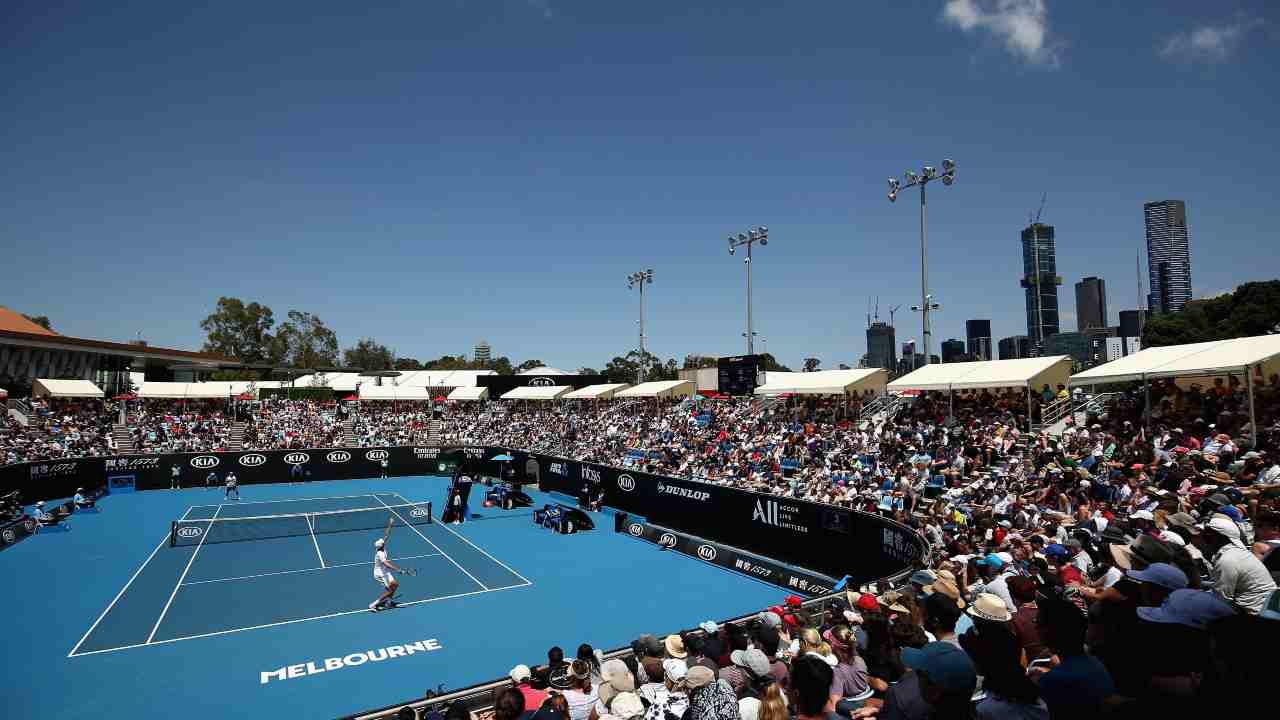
881, 351
977, 334
1091, 303
483, 353
1014, 347
1168, 255
1040, 282
1131, 322
953, 350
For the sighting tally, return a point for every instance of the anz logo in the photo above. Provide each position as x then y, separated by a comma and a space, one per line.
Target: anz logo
542, 382
190, 531
377, 455
636, 529
338, 456
204, 462
706, 552
667, 540
626, 483
253, 460
418, 512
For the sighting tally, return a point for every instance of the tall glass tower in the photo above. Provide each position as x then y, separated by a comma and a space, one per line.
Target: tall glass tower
1040, 283
1168, 255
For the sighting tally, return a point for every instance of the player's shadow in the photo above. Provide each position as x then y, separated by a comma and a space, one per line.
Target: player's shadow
475, 517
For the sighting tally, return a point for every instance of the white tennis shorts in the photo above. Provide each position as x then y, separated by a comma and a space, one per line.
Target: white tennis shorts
385, 579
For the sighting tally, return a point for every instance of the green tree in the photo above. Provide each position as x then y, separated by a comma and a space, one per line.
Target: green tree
529, 365
448, 362
811, 364
698, 362
769, 362
41, 320
1253, 309
303, 341
407, 364
240, 331
626, 369
588, 371
501, 365
368, 355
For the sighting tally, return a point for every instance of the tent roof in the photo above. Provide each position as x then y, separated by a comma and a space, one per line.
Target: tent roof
370, 391
544, 370
660, 388
176, 390
824, 382
1207, 358
66, 388
1053, 370
469, 393
596, 392
537, 392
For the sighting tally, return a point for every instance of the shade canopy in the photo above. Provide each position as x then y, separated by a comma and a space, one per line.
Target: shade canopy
1019, 373
369, 391
65, 389
537, 392
596, 392
469, 393
825, 382
1218, 357
180, 390
347, 382
659, 389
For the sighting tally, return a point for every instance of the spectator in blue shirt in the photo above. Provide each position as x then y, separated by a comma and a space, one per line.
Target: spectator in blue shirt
1079, 684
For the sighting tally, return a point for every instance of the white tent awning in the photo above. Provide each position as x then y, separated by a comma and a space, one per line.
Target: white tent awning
1052, 370
659, 389
66, 389
179, 390
825, 382
1218, 357
537, 392
596, 392
469, 393
393, 392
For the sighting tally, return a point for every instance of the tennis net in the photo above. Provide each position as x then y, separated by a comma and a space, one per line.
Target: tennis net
265, 527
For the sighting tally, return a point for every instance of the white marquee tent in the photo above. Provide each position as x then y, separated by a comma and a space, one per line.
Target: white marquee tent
596, 392
537, 392
659, 389
469, 393
393, 392
825, 382
181, 390
66, 389
1020, 373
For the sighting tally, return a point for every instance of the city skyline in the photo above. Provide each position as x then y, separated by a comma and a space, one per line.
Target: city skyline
1168, 255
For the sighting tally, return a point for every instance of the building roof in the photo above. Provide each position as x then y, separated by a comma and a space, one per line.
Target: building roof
17, 322
54, 341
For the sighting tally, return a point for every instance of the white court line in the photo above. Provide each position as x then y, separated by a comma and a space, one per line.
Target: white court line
289, 572
331, 497
290, 622
120, 594
424, 537
184, 575
311, 527
477, 547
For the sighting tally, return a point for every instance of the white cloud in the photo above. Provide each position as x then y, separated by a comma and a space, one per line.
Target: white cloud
1022, 25
1208, 43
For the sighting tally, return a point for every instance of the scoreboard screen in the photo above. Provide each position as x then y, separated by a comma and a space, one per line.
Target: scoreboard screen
737, 375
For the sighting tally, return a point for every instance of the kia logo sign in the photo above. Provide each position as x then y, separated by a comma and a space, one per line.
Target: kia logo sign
636, 529
377, 455
253, 460
626, 483
204, 462
190, 531
418, 513
706, 552
9, 536
297, 458
30, 526
667, 540
542, 382
338, 456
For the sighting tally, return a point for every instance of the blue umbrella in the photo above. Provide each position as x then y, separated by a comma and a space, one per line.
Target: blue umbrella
503, 458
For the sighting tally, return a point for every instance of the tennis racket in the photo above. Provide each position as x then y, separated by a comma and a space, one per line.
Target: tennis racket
408, 571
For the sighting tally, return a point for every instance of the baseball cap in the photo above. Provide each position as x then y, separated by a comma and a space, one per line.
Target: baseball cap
626, 705
378, 543
699, 676
1143, 515
711, 628
946, 665
793, 601
1161, 574
1183, 521
520, 673
675, 670
1224, 526
992, 560
1192, 608
922, 577
1056, 550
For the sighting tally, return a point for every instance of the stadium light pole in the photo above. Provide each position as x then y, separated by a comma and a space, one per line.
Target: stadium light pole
640, 279
927, 174
749, 238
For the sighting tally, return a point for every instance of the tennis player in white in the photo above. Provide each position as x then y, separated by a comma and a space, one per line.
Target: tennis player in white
382, 567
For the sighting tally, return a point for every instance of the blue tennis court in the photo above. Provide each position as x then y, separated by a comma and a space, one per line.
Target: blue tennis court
108, 620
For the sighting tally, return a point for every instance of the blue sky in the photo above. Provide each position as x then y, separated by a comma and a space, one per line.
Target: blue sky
433, 173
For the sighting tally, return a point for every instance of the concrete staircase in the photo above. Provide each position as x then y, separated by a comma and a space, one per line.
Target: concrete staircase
349, 437
124, 442
235, 438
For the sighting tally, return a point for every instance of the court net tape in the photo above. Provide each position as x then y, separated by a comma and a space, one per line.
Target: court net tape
264, 527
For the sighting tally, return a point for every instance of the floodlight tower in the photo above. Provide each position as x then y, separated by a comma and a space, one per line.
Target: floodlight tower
639, 279
927, 174
749, 238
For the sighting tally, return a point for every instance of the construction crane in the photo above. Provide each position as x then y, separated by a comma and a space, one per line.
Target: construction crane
893, 310
1034, 221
